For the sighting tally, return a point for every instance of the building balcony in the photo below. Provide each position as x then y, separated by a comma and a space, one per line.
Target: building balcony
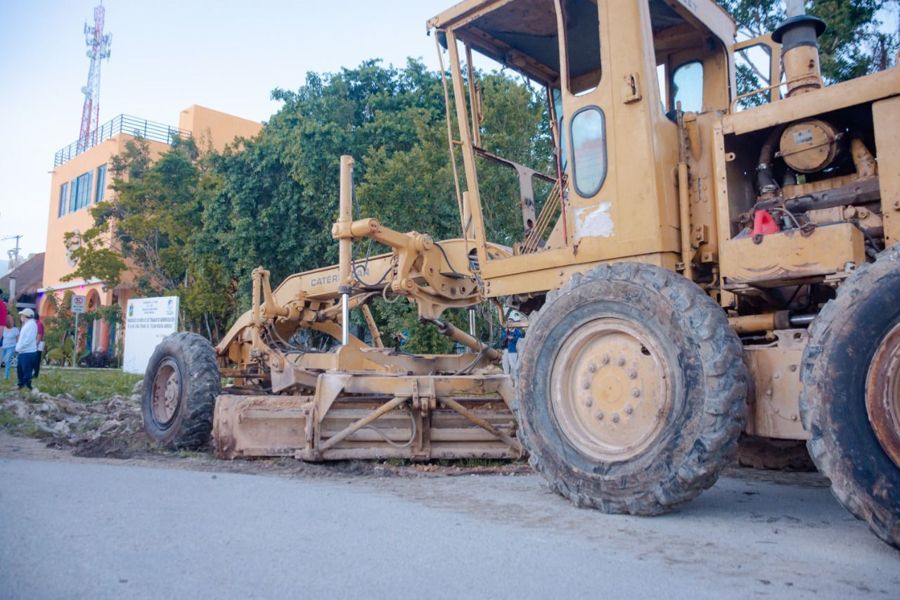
127, 124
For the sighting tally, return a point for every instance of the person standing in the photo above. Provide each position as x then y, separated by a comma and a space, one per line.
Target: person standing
510, 358
26, 348
40, 346
10, 335
4, 312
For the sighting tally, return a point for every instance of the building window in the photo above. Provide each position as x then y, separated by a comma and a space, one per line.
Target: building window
72, 188
63, 198
83, 190
589, 151
101, 184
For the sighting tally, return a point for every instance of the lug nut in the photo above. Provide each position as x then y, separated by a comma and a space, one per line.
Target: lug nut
599, 416
606, 359
615, 418
589, 403
592, 368
586, 385
632, 374
635, 393
621, 362
629, 410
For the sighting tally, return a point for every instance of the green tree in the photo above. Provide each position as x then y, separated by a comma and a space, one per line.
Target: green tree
855, 43
145, 232
280, 193
198, 224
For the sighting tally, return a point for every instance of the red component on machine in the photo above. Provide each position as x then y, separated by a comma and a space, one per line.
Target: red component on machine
764, 224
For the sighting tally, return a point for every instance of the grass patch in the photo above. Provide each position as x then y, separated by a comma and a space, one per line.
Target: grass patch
9, 420
16, 425
84, 385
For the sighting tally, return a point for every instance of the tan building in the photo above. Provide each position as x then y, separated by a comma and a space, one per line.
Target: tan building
81, 178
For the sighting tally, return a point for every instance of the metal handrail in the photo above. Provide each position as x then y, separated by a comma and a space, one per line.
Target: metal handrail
137, 127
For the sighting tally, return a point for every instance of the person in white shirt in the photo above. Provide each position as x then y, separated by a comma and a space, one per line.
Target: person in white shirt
26, 348
10, 335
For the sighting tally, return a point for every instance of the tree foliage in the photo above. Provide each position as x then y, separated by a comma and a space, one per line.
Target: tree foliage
854, 44
197, 223
144, 235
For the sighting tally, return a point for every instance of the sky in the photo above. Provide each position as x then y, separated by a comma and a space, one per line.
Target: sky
166, 56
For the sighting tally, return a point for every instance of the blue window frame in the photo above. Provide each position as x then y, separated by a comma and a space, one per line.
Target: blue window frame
73, 185
63, 198
101, 184
81, 191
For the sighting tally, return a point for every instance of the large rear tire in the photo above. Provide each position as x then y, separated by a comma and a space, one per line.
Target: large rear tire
631, 390
179, 393
851, 394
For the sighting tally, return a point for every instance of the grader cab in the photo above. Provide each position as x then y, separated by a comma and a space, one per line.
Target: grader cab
699, 263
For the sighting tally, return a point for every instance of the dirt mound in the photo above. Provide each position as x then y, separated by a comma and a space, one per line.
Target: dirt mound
111, 427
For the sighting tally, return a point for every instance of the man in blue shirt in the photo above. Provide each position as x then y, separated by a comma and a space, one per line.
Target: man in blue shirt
511, 354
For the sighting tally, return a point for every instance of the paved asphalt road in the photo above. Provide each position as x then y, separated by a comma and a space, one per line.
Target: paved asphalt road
95, 530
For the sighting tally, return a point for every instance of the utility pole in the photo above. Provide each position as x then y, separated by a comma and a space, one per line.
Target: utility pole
13, 254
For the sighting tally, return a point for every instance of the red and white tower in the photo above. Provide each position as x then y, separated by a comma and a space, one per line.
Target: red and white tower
98, 49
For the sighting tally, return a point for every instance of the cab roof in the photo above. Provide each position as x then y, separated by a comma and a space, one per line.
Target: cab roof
522, 33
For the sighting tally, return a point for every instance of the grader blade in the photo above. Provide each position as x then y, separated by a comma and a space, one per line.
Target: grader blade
373, 417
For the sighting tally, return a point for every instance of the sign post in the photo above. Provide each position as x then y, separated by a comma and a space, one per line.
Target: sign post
79, 303
147, 322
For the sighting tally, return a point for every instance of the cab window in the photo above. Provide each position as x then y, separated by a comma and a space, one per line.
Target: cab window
687, 87
582, 45
588, 151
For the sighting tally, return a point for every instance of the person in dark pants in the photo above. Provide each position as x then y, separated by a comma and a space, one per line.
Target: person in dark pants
26, 348
40, 346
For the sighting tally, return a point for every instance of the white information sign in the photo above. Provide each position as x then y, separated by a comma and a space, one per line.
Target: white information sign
147, 322
79, 304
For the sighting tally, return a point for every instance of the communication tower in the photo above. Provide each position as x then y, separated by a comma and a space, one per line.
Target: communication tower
98, 48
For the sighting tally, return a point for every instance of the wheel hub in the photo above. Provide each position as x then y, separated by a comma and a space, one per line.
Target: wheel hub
883, 394
611, 390
166, 392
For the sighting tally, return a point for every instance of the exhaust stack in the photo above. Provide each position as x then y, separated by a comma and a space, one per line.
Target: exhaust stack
799, 49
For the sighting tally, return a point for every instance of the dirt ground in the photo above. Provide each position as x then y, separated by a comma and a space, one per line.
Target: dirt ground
43, 426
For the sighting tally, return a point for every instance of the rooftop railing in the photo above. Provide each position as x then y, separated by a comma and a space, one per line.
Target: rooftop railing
142, 128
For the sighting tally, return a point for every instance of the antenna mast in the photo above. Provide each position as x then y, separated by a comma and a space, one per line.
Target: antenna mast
98, 48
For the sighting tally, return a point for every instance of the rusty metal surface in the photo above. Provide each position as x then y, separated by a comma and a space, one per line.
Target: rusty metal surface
883, 394
165, 392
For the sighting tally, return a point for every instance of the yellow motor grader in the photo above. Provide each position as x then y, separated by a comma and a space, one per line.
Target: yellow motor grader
704, 264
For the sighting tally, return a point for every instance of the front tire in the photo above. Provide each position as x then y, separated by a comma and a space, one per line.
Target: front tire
851, 394
631, 390
179, 393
